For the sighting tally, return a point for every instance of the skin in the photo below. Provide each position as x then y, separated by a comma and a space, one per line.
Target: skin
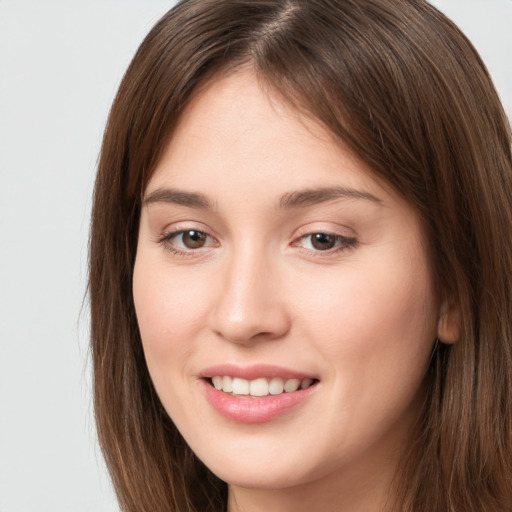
360, 317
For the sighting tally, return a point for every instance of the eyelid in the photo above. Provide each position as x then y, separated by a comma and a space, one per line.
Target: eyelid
343, 241
327, 228
185, 225
175, 233
166, 239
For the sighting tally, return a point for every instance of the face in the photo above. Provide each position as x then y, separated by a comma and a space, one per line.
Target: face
283, 295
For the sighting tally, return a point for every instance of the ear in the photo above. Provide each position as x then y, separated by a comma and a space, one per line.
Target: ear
448, 327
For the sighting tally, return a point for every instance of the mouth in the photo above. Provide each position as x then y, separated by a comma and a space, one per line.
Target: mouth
259, 387
256, 393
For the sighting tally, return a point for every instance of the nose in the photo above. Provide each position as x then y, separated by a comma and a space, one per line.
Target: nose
250, 303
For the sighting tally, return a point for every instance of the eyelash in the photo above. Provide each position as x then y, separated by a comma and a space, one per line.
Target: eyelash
342, 243
166, 241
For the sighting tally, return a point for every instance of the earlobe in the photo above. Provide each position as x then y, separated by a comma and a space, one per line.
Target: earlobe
448, 327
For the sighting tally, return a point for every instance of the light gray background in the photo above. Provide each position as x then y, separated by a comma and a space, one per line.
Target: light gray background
60, 64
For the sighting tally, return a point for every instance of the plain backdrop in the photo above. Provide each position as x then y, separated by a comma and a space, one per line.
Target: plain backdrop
60, 65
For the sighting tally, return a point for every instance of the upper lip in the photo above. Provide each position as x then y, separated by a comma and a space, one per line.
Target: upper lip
253, 371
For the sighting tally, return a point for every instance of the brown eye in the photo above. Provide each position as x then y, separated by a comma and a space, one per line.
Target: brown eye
187, 242
326, 242
323, 241
193, 239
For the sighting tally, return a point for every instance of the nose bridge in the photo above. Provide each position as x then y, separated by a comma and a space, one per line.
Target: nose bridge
249, 304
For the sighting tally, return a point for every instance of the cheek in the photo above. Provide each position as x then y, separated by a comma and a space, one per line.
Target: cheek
374, 321
168, 312
374, 332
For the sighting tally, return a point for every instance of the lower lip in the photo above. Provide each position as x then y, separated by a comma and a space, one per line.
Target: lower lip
254, 410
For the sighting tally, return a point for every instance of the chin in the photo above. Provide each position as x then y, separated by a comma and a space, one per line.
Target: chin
260, 477
261, 466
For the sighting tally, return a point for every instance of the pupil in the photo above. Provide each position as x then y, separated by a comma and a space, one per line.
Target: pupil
194, 239
323, 241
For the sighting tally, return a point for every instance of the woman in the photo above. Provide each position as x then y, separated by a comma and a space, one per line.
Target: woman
301, 266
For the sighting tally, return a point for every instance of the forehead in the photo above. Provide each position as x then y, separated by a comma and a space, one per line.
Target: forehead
235, 121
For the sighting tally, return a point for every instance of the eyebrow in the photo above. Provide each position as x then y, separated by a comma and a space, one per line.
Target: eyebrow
309, 197
290, 200
170, 195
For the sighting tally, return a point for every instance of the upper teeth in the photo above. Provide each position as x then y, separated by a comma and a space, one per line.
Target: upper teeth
259, 387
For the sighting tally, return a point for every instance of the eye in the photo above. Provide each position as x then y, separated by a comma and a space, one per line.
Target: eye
321, 241
191, 239
325, 242
186, 240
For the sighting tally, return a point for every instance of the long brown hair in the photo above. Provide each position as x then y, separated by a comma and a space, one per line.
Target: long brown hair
405, 90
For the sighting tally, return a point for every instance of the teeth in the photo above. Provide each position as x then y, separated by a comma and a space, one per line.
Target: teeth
227, 384
306, 383
291, 385
240, 386
217, 382
259, 387
276, 386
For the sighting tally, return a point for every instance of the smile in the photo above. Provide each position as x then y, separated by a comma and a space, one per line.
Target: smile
256, 393
258, 387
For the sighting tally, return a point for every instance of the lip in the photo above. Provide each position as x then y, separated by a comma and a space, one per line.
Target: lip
253, 409
254, 371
